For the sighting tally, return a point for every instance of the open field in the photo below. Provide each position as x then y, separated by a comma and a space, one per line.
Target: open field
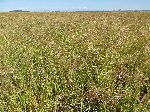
75, 62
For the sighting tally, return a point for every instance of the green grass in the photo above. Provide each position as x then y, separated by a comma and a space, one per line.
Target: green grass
75, 62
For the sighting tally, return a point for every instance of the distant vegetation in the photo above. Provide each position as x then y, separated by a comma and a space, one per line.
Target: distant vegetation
75, 62
87, 11
19, 11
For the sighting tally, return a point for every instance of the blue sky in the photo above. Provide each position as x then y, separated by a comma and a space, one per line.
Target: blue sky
46, 5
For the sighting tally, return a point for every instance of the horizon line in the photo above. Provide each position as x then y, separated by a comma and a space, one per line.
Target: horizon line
76, 10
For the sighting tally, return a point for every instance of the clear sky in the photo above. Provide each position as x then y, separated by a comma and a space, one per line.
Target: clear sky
48, 5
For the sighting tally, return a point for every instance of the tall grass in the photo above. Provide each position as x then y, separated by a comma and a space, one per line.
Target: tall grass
72, 62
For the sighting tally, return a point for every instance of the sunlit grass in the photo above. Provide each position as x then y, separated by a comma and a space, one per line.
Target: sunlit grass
74, 62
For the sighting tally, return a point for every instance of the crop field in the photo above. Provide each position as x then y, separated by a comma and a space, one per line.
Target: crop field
75, 62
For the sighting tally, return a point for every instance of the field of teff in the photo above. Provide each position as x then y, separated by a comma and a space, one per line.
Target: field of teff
75, 62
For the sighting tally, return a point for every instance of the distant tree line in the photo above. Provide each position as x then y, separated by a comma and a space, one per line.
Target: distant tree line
18, 11
91, 11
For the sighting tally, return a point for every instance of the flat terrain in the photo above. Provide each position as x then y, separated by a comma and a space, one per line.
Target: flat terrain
75, 62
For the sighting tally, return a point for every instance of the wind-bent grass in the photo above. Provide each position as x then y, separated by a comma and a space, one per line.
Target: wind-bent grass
75, 62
